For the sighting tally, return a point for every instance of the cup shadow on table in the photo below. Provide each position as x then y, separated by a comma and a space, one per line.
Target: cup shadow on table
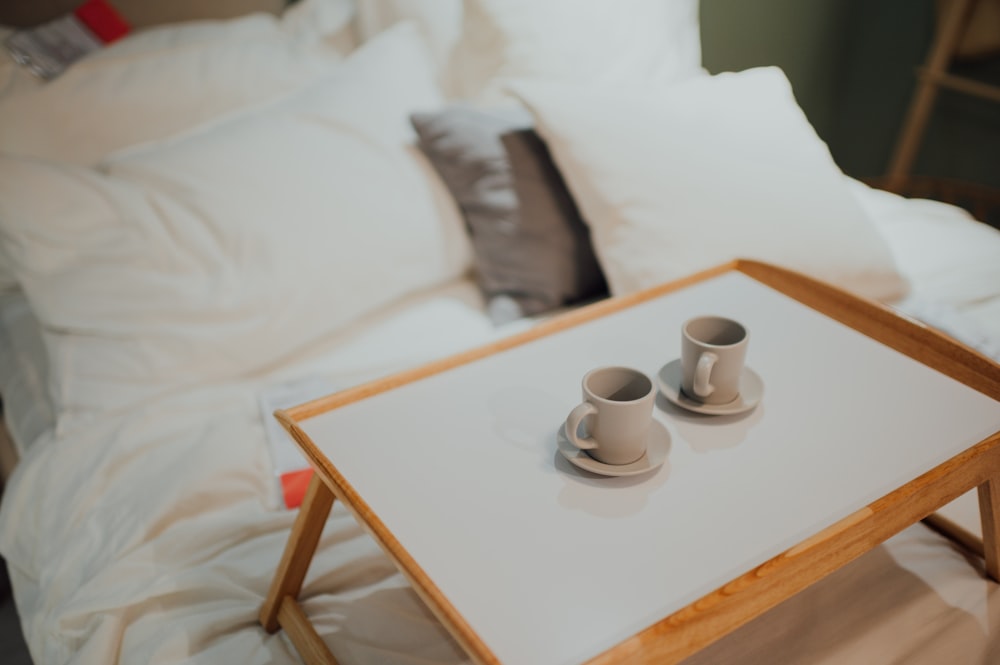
522, 413
706, 433
602, 496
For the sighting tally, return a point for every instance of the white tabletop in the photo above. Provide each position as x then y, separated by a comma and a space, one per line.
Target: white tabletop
549, 564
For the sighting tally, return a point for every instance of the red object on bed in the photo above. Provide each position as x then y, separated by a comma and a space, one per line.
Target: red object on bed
103, 20
293, 487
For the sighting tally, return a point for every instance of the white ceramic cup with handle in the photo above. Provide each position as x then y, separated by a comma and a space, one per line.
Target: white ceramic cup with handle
713, 352
618, 401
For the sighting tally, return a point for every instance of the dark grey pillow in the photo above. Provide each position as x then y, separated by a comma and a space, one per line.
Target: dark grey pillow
532, 250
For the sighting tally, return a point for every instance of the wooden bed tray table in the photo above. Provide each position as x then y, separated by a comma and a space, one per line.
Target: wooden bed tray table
869, 423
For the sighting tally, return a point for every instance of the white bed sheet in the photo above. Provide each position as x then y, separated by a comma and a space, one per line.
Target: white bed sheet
951, 261
178, 572
79, 586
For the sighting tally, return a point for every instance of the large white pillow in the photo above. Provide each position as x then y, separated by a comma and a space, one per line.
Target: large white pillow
647, 41
951, 260
216, 254
677, 179
440, 21
166, 79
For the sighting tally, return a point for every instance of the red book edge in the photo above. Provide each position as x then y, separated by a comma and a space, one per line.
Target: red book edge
103, 20
294, 485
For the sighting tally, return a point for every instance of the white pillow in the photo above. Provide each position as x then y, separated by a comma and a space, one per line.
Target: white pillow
329, 20
678, 179
948, 256
215, 255
163, 79
439, 20
158, 82
647, 41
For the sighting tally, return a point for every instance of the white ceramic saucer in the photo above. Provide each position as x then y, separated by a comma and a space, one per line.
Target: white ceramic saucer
751, 390
656, 454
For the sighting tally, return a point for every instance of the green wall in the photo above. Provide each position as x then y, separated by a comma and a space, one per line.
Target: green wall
851, 64
800, 36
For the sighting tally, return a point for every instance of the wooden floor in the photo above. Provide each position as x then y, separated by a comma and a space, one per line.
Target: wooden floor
13, 651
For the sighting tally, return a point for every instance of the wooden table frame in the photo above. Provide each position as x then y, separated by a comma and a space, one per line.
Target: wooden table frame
694, 627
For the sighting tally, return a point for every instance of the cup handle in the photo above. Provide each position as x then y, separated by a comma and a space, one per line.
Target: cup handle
573, 421
702, 372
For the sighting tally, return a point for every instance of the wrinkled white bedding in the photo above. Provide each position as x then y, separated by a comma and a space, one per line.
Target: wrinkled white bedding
196, 549
178, 572
952, 265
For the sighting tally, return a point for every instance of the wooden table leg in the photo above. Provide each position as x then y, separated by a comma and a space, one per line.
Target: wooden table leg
988, 546
958, 534
299, 551
989, 514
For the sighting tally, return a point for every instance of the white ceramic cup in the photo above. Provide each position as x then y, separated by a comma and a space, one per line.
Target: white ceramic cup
619, 404
713, 351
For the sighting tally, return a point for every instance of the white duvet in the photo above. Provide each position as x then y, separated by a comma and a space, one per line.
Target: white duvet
150, 535
194, 549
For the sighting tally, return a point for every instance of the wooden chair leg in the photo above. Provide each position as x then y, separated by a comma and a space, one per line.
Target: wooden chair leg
955, 20
299, 551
